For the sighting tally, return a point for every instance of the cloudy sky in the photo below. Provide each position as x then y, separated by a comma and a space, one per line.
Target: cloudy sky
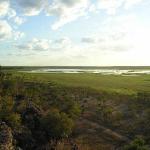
75, 32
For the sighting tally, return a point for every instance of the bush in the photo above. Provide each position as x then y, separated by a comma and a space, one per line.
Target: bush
7, 113
57, 125
68, 106
137, 144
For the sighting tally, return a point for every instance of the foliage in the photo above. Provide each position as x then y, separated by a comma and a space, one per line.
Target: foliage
7, 113
25, 108
57, 124
137, 144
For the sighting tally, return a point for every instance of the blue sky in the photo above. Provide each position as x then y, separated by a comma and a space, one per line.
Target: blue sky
74, 32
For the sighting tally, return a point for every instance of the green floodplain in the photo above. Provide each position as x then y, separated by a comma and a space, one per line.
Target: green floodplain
75, 111
108, 83
125, 83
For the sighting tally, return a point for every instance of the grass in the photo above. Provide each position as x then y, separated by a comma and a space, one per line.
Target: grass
109, 83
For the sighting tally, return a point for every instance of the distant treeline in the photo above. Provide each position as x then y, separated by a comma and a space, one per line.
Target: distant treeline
74, 67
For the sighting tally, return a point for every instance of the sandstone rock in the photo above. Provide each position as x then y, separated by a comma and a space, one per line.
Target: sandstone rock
6, 138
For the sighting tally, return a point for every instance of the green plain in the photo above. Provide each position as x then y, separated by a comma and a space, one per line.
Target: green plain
109, 83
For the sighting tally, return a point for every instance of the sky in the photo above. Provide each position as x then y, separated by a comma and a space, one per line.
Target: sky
75, 32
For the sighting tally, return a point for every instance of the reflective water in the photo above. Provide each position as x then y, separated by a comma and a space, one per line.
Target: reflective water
127, 72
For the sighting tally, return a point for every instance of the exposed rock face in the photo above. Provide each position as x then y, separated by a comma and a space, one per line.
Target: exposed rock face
6, 138
31, 116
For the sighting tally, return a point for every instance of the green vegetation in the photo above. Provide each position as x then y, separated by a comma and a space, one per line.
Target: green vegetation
35, 112
58, 125
108, 83
68, 111
137, 144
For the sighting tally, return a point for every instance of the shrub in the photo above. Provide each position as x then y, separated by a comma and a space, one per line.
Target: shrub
137, 144
57, 124
7, 113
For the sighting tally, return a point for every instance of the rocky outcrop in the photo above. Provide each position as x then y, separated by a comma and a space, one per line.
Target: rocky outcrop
31, 116
6, 138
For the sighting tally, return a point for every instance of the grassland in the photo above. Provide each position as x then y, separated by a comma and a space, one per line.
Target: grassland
109, 83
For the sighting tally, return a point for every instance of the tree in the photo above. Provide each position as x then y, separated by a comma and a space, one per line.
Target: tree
57, 124
137, 144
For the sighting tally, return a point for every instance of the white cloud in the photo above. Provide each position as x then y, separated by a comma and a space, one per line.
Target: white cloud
63, 42
4, 7
31, 7
40, 45
88, 40
121, 38
18, 35
130, 3
19, 20
114, 35
35, 45
5, 30
11, 13
117, 38
67, 11
111, 6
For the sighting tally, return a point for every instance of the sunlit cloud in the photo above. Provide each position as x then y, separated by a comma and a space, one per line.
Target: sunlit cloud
5, 30
4, 7
67, 11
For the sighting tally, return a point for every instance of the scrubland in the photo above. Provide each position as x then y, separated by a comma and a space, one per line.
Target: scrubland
74, 111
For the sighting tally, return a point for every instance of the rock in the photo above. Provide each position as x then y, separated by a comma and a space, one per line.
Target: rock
6, 138
31, 116
32, 120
